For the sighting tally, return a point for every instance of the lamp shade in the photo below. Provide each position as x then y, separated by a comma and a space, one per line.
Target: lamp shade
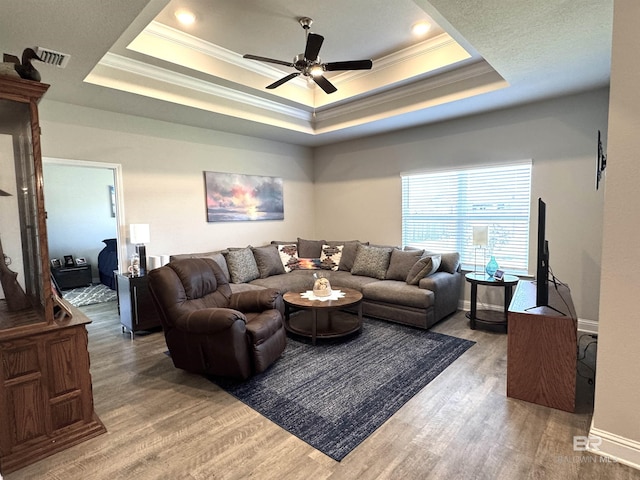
480, 235
139, 233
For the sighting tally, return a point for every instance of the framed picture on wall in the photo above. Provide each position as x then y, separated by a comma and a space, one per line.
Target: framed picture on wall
231, 197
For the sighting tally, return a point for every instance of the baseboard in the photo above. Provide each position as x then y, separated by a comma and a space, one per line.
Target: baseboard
588, 326
616, 448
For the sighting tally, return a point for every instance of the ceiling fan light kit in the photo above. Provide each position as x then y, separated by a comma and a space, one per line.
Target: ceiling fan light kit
309, 63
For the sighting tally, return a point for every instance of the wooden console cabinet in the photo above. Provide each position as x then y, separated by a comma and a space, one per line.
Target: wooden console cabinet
542, 348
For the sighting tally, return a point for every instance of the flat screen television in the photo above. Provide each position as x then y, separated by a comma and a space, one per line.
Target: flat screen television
542, 265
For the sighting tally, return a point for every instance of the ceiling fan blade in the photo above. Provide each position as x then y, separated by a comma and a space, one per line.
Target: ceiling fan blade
268, 60
350, 65
314, 42
283, 80
324, 84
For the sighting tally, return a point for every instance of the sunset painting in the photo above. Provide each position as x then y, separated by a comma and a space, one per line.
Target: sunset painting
232, 197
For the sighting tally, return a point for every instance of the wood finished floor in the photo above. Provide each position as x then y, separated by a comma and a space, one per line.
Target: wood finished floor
164, 423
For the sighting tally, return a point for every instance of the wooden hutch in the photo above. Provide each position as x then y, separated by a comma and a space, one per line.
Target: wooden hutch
46, 400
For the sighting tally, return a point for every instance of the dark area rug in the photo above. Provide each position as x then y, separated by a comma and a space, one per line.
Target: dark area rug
334, 395
82, 296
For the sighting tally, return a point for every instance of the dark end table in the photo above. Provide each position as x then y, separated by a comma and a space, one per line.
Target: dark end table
485, 317
72, 277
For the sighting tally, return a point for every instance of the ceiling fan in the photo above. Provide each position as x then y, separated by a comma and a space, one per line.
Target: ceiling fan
309, 64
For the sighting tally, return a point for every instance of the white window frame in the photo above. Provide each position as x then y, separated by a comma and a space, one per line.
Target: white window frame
440, 208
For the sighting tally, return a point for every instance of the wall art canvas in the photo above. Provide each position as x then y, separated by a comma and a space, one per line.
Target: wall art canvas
232, 197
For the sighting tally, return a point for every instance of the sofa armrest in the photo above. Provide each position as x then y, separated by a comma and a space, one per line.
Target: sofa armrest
446, 291
255, 300
209, 320
439, 281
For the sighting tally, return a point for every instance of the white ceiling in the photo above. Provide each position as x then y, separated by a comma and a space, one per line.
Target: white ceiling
132, 56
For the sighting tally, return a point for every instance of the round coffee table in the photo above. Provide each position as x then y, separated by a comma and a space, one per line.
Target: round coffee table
325, 320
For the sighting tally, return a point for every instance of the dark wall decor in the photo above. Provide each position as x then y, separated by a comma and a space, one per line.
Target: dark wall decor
232, 197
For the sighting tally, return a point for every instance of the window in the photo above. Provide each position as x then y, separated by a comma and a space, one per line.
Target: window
440, 208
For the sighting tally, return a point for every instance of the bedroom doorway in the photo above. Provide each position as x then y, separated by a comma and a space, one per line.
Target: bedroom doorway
85, 215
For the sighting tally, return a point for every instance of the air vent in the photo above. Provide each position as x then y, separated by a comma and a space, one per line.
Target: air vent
53, 58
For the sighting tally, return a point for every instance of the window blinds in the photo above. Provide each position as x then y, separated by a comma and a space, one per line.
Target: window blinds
440, 208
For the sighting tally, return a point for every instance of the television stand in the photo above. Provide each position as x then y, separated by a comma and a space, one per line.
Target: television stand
542, 348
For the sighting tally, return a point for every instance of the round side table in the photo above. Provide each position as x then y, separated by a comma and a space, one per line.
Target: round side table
489, 317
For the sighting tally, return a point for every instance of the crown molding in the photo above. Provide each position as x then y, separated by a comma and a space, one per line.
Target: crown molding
420, 87
188, 41
136, 67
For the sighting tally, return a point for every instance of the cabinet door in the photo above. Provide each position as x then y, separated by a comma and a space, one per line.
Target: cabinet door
22, 395
145, 311
68, 378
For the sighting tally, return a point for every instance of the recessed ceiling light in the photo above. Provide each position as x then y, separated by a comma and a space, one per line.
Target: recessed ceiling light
185, 17
420, 28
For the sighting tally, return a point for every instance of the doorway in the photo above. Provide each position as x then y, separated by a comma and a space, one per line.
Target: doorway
83, 201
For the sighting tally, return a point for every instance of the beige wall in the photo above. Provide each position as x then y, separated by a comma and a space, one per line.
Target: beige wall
358, 182
163, 180
616, 416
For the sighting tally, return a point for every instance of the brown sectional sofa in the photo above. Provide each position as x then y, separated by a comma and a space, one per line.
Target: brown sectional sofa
406, 286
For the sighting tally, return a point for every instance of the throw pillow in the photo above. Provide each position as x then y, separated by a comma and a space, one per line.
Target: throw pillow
268, 261
242, 265
371, 261
289, 256
423, 268
309, 264
401, 263
330, 256
348, 253
450, 262
309, 248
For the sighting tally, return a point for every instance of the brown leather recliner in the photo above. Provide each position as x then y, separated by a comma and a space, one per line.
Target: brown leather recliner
208, 329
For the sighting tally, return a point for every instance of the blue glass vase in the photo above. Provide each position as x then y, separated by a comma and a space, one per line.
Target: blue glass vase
491, 267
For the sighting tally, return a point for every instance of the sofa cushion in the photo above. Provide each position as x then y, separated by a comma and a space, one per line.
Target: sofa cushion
371, 261
342, 279
242, 265
288, 256
398, 293
296, 281
309, 248
424, 267
401, 263
268, 261
450, 262
330, 256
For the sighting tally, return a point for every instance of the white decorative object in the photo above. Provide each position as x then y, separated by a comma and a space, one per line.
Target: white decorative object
335, 295
134, 268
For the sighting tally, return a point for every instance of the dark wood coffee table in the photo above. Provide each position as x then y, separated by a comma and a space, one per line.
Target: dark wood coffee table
325, 319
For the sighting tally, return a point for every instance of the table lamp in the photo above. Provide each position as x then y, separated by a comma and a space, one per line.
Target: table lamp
480, 241
139, 235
